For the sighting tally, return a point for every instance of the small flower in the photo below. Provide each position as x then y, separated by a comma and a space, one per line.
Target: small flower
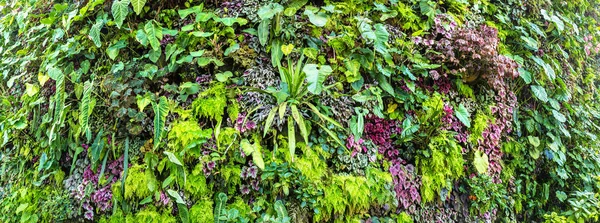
253, 171
244, 189
211, 165
89, 215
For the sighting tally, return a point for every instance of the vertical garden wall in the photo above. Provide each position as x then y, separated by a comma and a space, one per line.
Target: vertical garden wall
299, 111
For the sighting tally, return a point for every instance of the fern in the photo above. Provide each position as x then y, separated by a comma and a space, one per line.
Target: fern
187, 135
161, 110
480, 123
198, 212
443, 166
311, 165
150, 215
140, 184
196, 183
211, 103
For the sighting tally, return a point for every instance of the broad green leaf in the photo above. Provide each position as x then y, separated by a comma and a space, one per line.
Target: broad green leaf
315, 77
151, 35
247, 147
198, 53
141, 37
94, 33
300, 121
263, 32
560, 25
257, 158
173, 158
539, 92
220, 206
276, 52
562, 196
319, 19
481, 162
222, 77
119, 10
530, 43
269, 120
269, 10
185, 12
138, 5
31, 89
201, 34
161, 110
113, 50
183, 212
280, 209
525, 75
352, 70
534, 141
291, 137
559, 116
86, 108
547, 68
42, 78
463, 115
175, 195
231, 49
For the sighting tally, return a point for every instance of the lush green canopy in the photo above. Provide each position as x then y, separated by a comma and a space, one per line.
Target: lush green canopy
299, 111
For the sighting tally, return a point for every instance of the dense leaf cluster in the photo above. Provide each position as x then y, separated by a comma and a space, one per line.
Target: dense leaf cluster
299, 111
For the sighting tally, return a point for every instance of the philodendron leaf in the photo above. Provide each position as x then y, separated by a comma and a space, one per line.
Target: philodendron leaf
280, 209
539, 92
263, 31
119, 10
173, 158
559, 116
138, 5
269, 10
463, 115
86, 108
254, 150
319, 19
316, 77
161, 110
481, 162
175, 195
94, 33
220, 206
143, 101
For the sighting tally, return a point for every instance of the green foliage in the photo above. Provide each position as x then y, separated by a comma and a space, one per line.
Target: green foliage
196, 183
140, 183
211, 103
76, 80
440, 166
198, 212
161, 110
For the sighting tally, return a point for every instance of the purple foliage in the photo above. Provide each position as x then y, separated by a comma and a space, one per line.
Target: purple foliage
406, 183
380, 131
